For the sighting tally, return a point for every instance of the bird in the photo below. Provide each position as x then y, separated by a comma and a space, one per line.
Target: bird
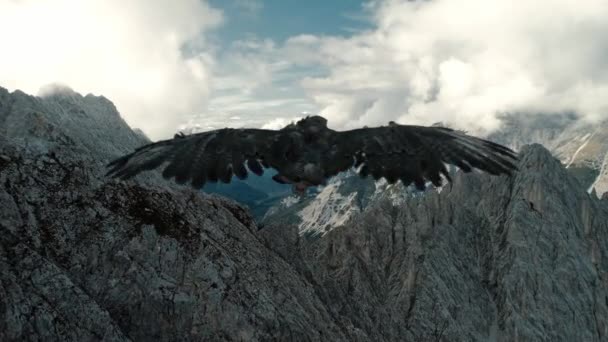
307, 153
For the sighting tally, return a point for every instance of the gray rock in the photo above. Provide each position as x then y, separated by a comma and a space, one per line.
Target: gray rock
120, 261
580, 145
492, 258
85, 258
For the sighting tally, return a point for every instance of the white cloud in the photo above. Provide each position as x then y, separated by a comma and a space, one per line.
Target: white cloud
278, 123
461, 62
258, 83
129, 51
458, 61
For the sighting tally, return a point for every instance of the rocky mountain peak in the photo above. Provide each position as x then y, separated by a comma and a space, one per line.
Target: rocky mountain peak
83, 258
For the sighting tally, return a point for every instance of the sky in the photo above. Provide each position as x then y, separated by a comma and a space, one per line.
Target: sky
215, 63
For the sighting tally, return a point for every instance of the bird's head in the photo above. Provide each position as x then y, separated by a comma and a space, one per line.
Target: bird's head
312, 124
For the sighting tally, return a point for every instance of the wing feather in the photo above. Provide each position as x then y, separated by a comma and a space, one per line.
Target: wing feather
416, 153
411, 154
203, 157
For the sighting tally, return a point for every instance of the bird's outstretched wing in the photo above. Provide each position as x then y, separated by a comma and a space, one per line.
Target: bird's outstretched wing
415, 153
198, 158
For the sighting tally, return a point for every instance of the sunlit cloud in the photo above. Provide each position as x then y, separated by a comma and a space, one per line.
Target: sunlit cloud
466, 63
132, 52
463, 62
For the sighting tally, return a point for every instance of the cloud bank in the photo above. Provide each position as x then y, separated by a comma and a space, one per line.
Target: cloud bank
149, 57
463, 62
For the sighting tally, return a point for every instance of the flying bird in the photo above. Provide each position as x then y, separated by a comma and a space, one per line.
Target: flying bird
307, 153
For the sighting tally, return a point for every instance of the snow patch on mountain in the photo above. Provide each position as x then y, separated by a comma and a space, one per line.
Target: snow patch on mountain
600, 184
289, 201
581, 146
327, 210
396, 193
585, 140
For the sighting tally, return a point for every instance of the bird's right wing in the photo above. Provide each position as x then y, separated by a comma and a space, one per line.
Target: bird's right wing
202, 157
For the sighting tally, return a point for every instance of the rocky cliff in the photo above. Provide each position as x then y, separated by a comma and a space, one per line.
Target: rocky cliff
581, 146
83, 258
497, 259
86, 259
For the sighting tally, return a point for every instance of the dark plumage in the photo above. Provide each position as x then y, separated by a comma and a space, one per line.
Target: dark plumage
308, 153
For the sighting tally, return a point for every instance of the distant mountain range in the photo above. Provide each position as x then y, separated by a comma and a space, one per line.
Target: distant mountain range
581, 146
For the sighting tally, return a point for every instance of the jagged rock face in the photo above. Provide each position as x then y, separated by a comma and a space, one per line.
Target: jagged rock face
337, 202
581, 146
81, 258
329, 206
84, 259
584, 151
520, 129
492, 258
88, 123
120, 262
87, 126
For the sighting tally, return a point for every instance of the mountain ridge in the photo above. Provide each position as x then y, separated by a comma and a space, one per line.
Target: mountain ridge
87, 258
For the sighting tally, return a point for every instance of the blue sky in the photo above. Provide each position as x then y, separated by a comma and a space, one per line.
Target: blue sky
281, 19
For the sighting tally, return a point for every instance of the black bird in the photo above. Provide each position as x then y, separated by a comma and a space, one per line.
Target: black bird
307, 153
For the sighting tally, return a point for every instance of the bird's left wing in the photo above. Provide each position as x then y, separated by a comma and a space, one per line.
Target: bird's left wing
414, 153
202, 157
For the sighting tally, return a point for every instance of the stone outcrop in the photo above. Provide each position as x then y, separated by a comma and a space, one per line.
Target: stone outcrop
127, 262
491, 258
